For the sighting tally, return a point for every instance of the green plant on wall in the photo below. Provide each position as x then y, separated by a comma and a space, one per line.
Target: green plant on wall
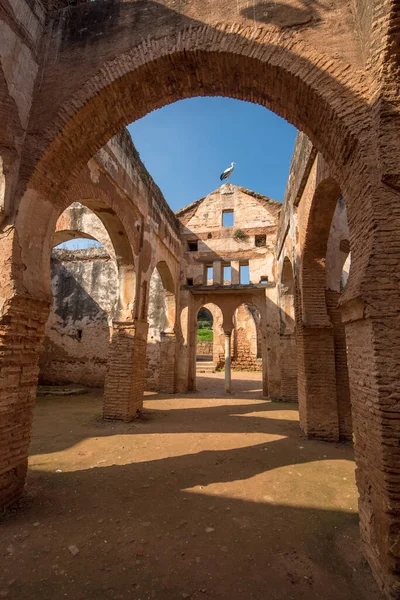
240, 236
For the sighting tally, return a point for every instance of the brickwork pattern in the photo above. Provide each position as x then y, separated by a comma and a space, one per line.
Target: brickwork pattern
244, 358
21, 336
167, 369
288, 367
342, 373
125, 377
316, 376
135, 58
205, 348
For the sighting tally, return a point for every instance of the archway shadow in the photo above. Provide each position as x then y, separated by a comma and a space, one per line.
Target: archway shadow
171, 520
177, 526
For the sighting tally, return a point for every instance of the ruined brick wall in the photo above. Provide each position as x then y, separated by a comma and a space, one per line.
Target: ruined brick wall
341, 365
76, 345
85, 290
309, 176
245, 343
148, 222
205, 348
201, 222
288, 367
105, 64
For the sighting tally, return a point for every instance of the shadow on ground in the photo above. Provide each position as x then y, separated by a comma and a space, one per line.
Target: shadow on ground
227, 502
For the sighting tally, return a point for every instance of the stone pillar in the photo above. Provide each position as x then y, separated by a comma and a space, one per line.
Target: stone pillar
166, 383
126, 371
184, 345
235, 272
228, 377
21, 335
217, 273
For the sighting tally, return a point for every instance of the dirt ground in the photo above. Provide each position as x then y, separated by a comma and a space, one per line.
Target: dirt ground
206, 497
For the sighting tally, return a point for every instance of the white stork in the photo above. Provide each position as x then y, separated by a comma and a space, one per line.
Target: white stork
228, 172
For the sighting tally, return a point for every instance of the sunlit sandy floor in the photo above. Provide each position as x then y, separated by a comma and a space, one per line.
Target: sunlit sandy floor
207, 496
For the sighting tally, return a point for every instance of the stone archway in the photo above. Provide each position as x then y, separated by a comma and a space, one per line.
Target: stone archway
217, 344
26, 313
314, 334
85, 289
161, 338
174, 56
247, 339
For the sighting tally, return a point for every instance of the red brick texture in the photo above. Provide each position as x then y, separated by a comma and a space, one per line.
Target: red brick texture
126, 369
21, 335
288, 367
341, 369
167, 367
103, 65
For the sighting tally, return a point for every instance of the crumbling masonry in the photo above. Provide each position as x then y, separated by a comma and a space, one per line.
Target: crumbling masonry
72, 77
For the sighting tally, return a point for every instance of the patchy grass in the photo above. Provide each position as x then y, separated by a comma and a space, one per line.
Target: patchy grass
204, 335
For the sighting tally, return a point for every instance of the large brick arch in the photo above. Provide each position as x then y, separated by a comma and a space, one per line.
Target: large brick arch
96, 86
39, 219
324, 97
161, 317
313, 258
164, 55
169, 293
77, 221
315, 343
320, 96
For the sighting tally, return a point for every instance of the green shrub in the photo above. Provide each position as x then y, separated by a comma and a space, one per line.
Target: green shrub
204, 325
204, 335
240, 235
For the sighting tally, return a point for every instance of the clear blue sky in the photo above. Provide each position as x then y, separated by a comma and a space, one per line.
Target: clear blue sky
185, 146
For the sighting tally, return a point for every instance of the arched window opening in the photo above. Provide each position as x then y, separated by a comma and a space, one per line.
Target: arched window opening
161, 317
84, 282
93, 287
209, 339
205, 335
246, 343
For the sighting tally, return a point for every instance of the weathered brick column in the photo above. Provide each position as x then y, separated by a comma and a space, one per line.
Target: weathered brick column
288, 367
374, 378
126, 371
316, 376
21, 334
167, 363
371, 313
317, 382
342, 373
